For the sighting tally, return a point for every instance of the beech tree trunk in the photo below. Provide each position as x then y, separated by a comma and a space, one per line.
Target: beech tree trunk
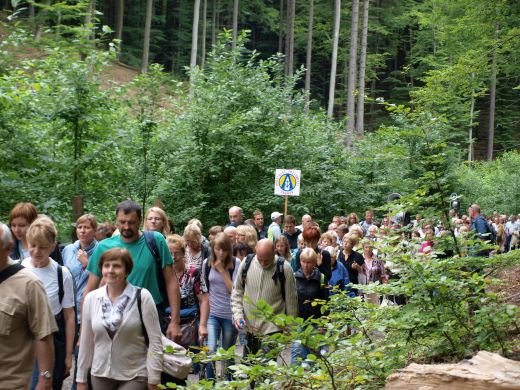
203, 40
194, 40
289, 41
146, 41
492, 100
471, 112
360, 118
334, 61
281, 28
235, 25
352, 72
119, 18
308, 61
39, 26
214, 22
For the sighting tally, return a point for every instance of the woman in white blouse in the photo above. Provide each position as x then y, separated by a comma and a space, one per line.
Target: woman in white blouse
112, 344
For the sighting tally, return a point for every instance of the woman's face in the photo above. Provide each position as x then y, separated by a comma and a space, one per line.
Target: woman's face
219, 252
367, 249
154, 222
280, 247
193, 244
177, 252
241, 237
85, 232
19, 226
347, 245
114, 271
307, 266
40, 252
325, 243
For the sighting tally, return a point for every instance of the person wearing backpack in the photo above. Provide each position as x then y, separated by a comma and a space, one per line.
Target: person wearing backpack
267, 277
218, 273
152, 265
58, 283
27, 322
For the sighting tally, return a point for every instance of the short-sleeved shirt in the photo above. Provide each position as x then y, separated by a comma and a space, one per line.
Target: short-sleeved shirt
25, 316
144, 272
49, 277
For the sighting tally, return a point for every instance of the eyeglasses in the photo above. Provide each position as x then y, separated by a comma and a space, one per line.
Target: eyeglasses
154, 219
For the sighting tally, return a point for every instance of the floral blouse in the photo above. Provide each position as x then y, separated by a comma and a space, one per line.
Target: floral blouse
191, 285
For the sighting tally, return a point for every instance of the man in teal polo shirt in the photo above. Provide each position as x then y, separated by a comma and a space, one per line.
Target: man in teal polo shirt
144, 272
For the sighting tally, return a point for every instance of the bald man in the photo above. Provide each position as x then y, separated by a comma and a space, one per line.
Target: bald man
262, 282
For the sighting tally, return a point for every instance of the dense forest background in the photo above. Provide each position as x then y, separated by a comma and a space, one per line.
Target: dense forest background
228, 90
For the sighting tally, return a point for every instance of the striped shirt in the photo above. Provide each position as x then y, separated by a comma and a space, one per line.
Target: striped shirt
260, 285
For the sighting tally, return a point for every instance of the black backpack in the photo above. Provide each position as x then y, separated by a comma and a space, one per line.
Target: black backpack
278, 275
152, 246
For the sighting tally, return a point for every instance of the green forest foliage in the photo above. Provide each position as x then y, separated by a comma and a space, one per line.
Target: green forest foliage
67, 130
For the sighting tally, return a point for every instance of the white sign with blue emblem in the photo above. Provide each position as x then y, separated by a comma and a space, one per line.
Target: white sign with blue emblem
287, 182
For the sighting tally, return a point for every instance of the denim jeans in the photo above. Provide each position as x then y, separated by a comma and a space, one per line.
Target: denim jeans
299, 352
220, 329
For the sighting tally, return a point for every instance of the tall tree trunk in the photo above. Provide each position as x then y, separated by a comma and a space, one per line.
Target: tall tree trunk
235, 25
203, 40
214, 22
147, 29
308, 61
194, 40
39, 26
492, 99
289, 42
352, 72
334, 61
471, 112
31, 12
281, 27
360, 125
120, 7
91, 11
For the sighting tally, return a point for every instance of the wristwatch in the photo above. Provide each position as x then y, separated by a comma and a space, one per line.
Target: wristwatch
46, 374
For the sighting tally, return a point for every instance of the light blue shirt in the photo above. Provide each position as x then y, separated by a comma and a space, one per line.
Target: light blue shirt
80, 275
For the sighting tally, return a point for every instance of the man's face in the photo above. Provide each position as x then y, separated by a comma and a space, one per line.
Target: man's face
369, 216
41, 251
235, 216
259, 221
339, 232
265, 254
306, 221
128, 225
289, 227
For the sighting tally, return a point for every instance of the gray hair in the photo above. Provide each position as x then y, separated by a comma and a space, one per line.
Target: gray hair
6, 235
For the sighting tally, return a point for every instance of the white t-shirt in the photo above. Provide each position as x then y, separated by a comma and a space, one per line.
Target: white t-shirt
49, 277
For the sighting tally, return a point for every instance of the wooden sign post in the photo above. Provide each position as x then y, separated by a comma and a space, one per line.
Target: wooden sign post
287, 183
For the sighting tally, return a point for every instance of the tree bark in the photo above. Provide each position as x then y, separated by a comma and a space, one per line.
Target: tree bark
492, 100
334, 61
352, 72
147, 29
289, 41
213, 22
119, 19
360, 125
39, 26
281, 28
194, 40
308, 61
471, 112
235, 25
203, 40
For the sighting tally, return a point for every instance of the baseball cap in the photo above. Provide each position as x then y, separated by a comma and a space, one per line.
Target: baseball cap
275, 214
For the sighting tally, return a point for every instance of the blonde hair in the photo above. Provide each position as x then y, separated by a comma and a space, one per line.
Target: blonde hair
333, 251
175, 239
164, 218
42, 231
250, 234
91, 219
192, 231
309, 254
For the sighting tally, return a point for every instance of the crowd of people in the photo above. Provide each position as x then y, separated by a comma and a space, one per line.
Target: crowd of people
104, 300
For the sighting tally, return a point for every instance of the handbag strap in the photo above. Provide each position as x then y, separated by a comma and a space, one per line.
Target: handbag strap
139, 309
10, 271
